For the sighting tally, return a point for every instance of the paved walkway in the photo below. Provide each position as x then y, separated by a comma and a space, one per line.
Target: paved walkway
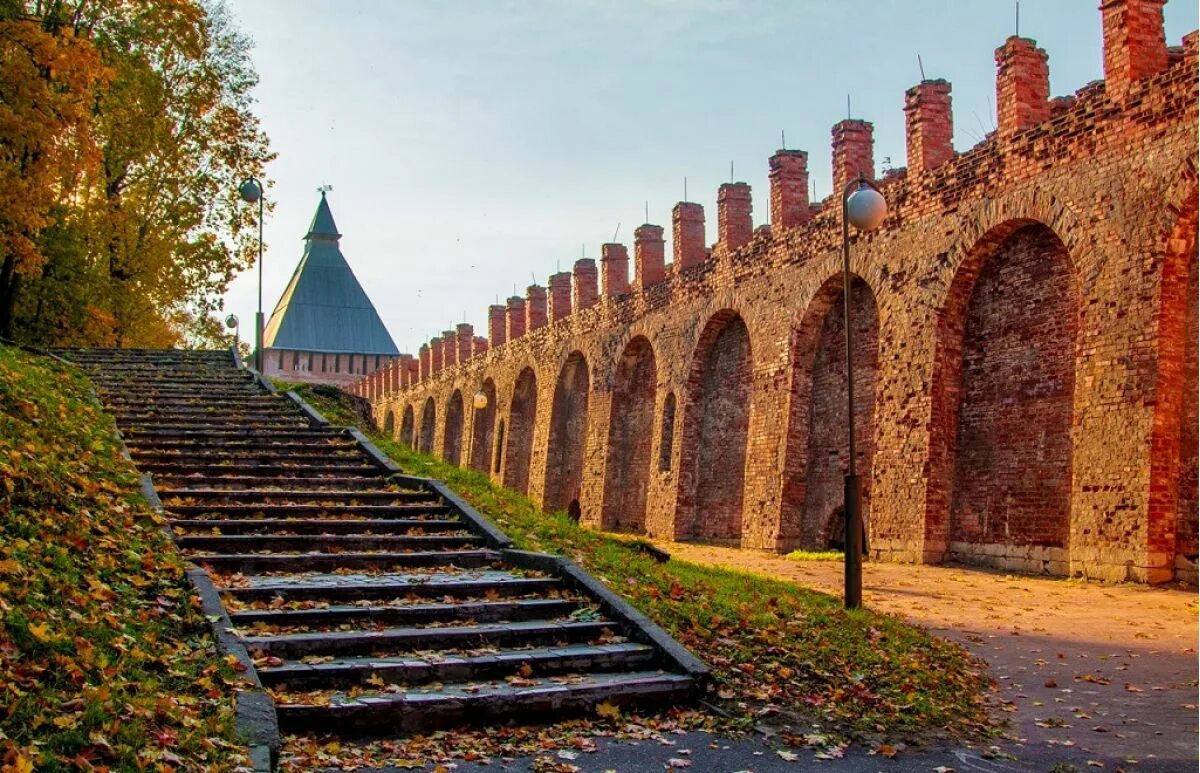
1087, 671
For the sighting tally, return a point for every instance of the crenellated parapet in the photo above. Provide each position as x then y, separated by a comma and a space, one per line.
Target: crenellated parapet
1022, 323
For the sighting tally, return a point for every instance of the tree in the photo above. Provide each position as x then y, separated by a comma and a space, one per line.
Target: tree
48, 78
155, 219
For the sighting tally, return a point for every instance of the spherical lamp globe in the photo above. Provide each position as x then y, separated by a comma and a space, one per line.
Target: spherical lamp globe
480, 401
249, 191
866, 208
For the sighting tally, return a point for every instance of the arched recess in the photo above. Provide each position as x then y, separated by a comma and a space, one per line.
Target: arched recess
452, 440
630, 437
716, 427
818, 435
428, 419
499, 455
1172, 533
1003, 394
519, 445
666, 438
483, 428
406, 427
389, 425
568, 435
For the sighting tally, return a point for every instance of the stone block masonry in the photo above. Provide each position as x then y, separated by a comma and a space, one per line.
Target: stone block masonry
1025, 344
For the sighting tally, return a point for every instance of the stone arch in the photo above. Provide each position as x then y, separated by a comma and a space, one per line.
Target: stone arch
452, 438
389, 425
406, 427
519, 444
817, 438
1003, 402
483, 429
630, 437
715, 432
1172, 532
568, 434
428, 422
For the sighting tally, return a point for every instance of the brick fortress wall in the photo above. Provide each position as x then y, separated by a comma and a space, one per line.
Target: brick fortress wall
1025, 344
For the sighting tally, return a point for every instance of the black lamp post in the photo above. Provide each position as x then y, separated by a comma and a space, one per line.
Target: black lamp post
864, 207
251, 190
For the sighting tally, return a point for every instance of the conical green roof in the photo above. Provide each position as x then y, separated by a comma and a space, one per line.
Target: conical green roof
324, 308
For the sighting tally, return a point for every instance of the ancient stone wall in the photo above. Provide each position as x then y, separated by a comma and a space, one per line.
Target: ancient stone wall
1025, 346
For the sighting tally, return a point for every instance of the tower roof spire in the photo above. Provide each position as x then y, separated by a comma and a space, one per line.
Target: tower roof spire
322, 226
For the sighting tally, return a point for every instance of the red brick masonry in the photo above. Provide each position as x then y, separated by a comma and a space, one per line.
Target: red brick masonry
1025, 353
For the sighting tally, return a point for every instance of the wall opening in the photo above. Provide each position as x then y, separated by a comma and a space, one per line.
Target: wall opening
630, 436
499, 455
716, 428
428, 419
568, 434
406, 427
389, 425
483, 428
666, 443
521, 422
1009, 350
1188, 505
452, 440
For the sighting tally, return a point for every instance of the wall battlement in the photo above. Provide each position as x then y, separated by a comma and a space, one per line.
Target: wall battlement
1039, 280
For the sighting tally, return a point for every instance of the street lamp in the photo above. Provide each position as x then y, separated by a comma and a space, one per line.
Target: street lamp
864, 207
231, 322
251, 190
480, 401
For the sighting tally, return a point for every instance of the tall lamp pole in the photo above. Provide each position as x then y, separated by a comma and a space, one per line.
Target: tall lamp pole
251, 190
864, 207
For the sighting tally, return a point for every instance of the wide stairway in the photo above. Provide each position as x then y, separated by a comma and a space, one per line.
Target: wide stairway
368, 600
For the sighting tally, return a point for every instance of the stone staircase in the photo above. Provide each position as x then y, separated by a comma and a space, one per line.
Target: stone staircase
368, 601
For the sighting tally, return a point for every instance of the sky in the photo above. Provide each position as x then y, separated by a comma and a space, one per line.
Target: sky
475, 147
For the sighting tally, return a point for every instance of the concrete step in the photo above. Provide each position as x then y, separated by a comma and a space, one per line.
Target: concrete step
251, 510
264, 470
299, 496
194, 526
328, 562
434, 637
343, 588
409, 614
456, 704
200, 484
229, 544
412, 670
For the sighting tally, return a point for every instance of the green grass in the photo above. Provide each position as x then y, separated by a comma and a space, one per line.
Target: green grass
769, 642
814, 555
105, 659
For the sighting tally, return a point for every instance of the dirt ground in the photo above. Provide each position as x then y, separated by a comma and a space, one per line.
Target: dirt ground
1086, 669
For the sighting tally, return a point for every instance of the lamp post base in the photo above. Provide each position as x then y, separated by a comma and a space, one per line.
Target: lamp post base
854, 541
258, 342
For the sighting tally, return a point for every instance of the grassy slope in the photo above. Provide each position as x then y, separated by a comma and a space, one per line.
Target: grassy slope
768, 642
104, 658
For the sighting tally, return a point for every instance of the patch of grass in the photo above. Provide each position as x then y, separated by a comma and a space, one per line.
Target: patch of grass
105, 659
814, 555
769, 642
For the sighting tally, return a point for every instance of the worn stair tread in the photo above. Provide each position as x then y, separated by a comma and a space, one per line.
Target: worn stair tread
482, 663
401, 638
274, 509
317, 525
455, 704
344, 587
480, 610
313, 543
256, 563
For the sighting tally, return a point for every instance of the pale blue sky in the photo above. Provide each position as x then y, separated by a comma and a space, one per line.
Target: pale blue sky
477, 144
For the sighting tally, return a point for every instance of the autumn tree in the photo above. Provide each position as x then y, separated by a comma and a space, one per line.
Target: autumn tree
140, 250
48, 80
